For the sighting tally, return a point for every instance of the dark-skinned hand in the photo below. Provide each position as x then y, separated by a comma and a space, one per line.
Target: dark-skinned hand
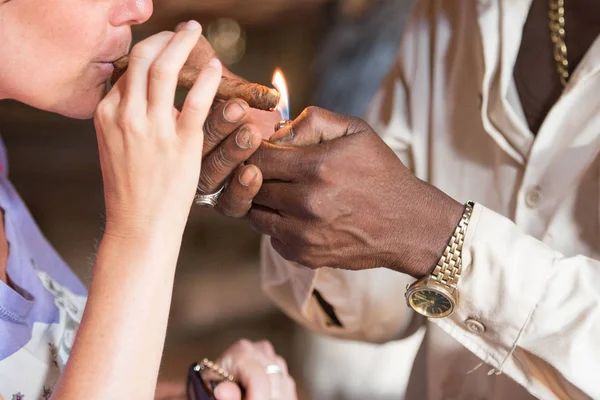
334, 194
232, 133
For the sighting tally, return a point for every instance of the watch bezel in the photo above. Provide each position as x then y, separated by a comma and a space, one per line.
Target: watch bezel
431, 285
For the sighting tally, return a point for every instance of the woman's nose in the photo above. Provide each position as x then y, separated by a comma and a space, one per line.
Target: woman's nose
131, 12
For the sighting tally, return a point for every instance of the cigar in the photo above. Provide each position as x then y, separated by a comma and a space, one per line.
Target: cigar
257, 96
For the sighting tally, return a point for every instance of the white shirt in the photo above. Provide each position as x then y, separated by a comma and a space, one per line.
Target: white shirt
529, 302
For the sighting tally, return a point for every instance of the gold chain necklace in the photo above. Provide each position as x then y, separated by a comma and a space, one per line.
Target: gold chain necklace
556, 13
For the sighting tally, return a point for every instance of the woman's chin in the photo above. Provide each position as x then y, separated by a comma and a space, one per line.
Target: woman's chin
83, 106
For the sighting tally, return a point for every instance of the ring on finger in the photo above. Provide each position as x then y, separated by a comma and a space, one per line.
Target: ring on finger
208, 200
273, 369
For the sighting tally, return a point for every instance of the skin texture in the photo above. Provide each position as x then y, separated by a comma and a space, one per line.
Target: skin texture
56, 56
59, 50
144, 142
321, 207
247, 361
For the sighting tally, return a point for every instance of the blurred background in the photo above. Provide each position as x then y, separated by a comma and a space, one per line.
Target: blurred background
333, 54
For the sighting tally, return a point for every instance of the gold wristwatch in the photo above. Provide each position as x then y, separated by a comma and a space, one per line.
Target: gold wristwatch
436, 296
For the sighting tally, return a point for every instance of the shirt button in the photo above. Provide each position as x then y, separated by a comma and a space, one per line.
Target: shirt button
533, 197
475, 326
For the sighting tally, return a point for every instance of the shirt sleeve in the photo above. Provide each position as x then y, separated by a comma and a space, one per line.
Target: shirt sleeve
365, 305
528, 311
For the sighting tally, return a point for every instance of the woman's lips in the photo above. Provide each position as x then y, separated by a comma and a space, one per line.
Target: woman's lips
106, 68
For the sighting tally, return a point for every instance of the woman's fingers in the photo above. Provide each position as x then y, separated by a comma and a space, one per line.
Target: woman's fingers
199, 100
227, 391
262, 373
134, 84
164, 71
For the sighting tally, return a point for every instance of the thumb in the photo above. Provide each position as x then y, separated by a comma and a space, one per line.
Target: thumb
316, 125
227, 391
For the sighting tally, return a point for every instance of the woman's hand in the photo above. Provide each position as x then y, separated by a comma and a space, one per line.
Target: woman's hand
151, 153
254, 366
150, 156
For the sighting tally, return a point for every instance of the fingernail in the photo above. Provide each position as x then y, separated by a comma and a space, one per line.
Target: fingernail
244, 138
235, 111
247, 176
192, 26
214, 63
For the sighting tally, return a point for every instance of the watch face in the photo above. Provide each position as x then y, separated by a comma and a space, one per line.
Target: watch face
431, 303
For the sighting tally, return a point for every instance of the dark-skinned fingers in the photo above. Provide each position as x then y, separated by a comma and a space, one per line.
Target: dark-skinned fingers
315, 125
218, 165
267, 222
288, 163
224, 118
286, 198
237, 197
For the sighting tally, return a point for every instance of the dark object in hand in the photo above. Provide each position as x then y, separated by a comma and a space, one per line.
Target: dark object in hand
257, 96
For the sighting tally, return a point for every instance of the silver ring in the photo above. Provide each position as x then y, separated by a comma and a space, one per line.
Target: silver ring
208, 200
273, 369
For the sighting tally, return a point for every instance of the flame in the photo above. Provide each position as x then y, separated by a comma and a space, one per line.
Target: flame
284, 102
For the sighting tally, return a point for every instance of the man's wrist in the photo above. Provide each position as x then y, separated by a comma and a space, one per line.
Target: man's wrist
447, 225
434, 226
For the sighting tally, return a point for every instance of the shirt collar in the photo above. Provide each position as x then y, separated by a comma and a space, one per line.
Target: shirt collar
501, 23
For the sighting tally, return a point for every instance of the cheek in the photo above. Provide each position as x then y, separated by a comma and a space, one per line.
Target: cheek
50, 45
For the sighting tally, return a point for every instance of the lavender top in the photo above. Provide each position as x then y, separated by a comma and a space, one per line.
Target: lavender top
38, 319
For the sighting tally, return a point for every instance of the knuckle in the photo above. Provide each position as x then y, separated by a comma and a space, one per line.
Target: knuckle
222, 157
211, 127
214, 169
244, 345
232, 204
266, 347
141, 51
278, 359
207, 181
161, 71
197, 103
322, 168
129, 123
145, 50
357, 125
304, 237
104, 111
312, 112
311, 203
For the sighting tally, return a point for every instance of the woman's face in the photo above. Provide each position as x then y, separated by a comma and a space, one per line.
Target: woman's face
56, 54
